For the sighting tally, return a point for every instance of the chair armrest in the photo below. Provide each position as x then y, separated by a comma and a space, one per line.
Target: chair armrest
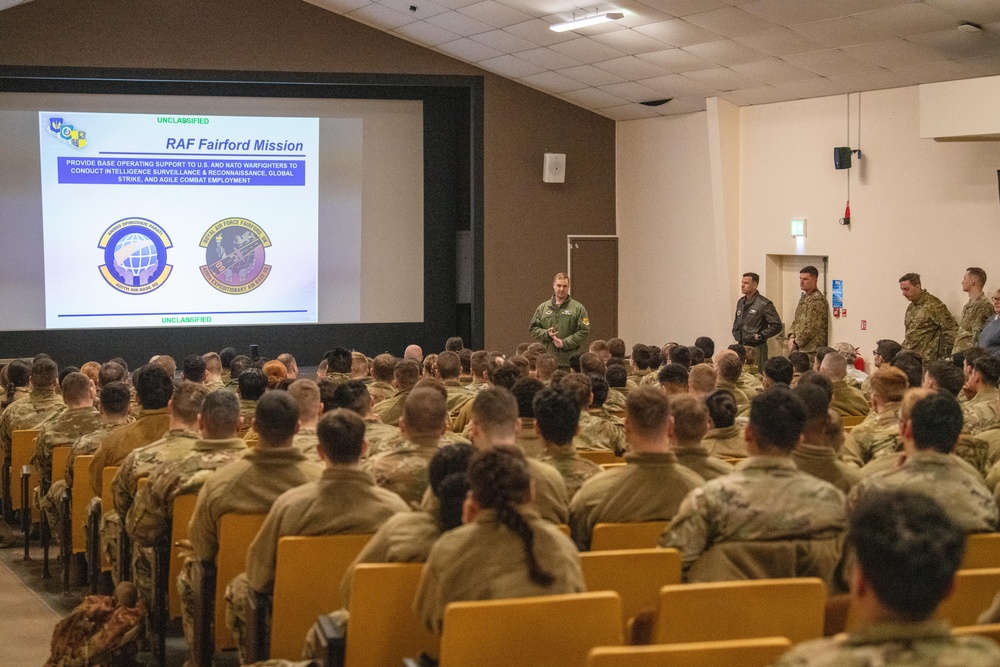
333, 640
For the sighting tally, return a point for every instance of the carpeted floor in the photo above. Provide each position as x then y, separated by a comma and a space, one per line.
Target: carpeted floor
28, 616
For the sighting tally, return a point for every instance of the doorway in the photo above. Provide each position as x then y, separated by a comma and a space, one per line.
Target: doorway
782, 285
592, 262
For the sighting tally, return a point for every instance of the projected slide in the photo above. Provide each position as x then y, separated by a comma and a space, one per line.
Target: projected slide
161, 220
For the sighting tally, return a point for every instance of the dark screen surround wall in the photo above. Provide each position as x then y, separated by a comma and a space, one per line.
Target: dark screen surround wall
525, 221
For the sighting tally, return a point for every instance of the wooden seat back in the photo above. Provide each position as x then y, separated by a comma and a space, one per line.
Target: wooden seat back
616, 536
991, 631
598, 456
637, 575
82, 493
732, 653
60, 456
181, 517
236, 532
22, 447
982, 550
974, 592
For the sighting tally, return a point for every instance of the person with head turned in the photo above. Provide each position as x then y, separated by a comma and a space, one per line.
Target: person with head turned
982, 410
406, 374
380, 437
42, 403
847, 400
687, 426
817, 452
557, 421
756, 318
811, 324
930, 326
78, 419
560, 323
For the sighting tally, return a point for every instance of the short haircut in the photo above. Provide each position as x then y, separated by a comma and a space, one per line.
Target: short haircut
193, 368
220, 414
818, 379
454, 344
599, 346
646, 411
524, 391
153, 387
352, 395
912, 364
978, 274
821, 353
76, 387
579, 387
674, 374
166, 362
557, 415
339, 359
465, 357
239, 364
110, 372
779, 369
115, 398
288, 360
187, 400
740, 350
213, 364
477, 363
973, 353
252, 384
988, 368
890, 383
522, 364
912, 278
679, 355
545, 366
816, 401
908, 549
341, 435
591, 363
383, 366
777, 417
506, 375
642, 356
811, 270
617, 376
118, 360
728, 367
697, 355
937, 422
327, 388
560, 276
425, 411
494, 409
887, 349
406, 373
276, 416
690, 417
574, 361
706, 345
449, 365
44, 373
307, 396
834, 366
66, 370
359, 364
847, 351
799, 361
945, 374
226, 356
702, 378
521, 347
721, 408
616, 346
752, 276
599, 386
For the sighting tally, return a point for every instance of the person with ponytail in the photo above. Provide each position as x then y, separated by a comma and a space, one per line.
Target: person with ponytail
16, 385
503, 550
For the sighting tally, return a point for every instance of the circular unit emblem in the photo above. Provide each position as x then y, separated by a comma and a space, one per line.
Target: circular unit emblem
234, 256
135, 255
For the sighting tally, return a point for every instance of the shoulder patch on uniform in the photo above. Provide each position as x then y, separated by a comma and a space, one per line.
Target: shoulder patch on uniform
586, 321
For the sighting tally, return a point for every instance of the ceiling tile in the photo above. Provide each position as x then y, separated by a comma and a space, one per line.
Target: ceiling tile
495, 14
638, 13
548, 58
676, 60
340, 6
685, 7
808, 88
537, 31
466, 49
957, 45
729, 22
944, 70
511, 66
593, 98
633, 92
455, 4
677, 32
758, 95
537, 8
988, 66
829, 63
675, 85
842, 31
587, 50
688, 104
426, 33
726, 52
893, 53
631, 68
630, 112
779, 42
592, 76
553, 82
879, 79
425, 8
977, 11
630, 41
460, 24
720, 78
789, 12
773, 71
381, 17
847, 7
906, 20
504, 41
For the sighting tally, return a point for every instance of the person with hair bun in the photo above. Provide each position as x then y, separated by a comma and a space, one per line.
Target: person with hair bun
504, 550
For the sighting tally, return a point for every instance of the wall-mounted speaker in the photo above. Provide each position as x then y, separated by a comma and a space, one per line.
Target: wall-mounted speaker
554, 168
842, 157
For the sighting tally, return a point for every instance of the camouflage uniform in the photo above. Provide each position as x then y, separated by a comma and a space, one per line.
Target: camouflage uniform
811, 323
63, 429
650, 487
574, 470
962, 494
991, 437
930, 328
551, 498
146, 429
974, 315
749, 384
404, 471
570, 321
615, 402
699, 460
391, 409
247, 411
338, 378
381, 437
873, 439
529, 441
652, 379
742, 402
848, 401
40, 406
307, 442
460, 422
458, 395
917, 644
483, 560
767, 498
726, 442
981, 411
379, 391
821, 461
600, 431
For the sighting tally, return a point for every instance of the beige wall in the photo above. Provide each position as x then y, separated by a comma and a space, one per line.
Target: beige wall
526, 221
917, 205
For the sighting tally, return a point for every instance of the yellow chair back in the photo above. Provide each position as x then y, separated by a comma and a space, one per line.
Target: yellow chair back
609, 466
384, 628
615, 536
236, 532
791, 608
982, 550
22, 446
60, 456
300, 596
637, 575
530, 632
82, 493
851, 421
973, 594
991, 631
598, 456
731, 653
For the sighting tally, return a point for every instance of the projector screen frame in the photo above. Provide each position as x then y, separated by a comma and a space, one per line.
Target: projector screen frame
453, 202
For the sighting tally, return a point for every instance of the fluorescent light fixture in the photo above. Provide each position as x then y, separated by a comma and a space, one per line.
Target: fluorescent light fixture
587, 21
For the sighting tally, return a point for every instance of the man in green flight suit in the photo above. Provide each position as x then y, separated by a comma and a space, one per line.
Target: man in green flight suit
561, 323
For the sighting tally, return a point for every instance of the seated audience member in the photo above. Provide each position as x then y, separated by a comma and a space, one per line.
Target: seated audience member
92, 370
815, 454
557, 418
226, 356
697, 355
778, 370
404, 469
751, 379
251, 385
545, 365
929, 435
406, 374
17, 385
701, 381
725, 439
414, 352
905, 551
249, 485
213, 371
673, 379
354, 396
307, 397
767, 499
847, 400
878, 437
111, 371
707, 346
42, 403
153, 388
339, 362
850, 354
884, 353
687, 425
528, 440
78, 419
727, 372
617, 377
820, 356
448, 370
800, 364
910, 363
616, 347
381, 387
360, 367
275, 373
640, 360
504, 550
194, 369
344, 500
649, 487
679, 354
601, 349
598, 429
291, 367
944, 375
981, 411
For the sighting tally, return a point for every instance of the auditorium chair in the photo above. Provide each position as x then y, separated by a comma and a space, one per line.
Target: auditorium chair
616, 536
991, 631
973, 594
166, 565
730, 653
982, 550
637, 575
598, 456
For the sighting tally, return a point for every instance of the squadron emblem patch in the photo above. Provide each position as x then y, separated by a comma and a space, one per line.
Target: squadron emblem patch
135, 255
234, 256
